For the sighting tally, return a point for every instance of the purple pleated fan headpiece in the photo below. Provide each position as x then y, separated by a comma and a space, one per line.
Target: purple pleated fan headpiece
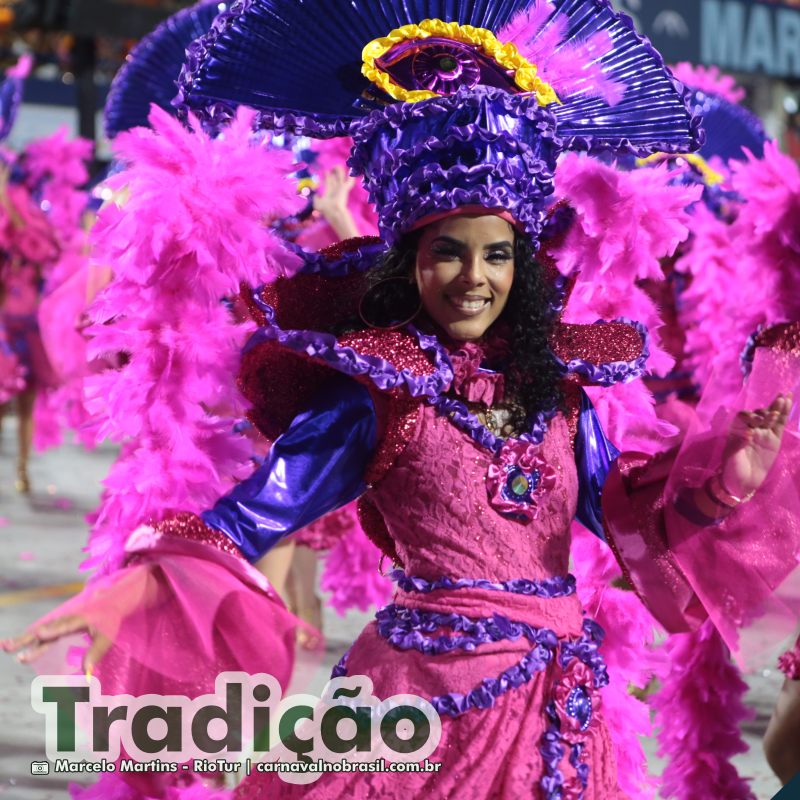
151, 69
11, 94
452, 104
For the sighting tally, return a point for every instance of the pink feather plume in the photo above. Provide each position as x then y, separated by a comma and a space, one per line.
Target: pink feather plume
351, 569
190, 231
625, 223
571, 68
709, 80
699, 710
629, 655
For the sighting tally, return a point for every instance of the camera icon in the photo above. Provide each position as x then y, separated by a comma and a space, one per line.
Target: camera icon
40, 767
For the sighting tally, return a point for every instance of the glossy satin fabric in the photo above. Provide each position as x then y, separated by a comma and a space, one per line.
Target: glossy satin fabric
316, 466
594, 456
319, 463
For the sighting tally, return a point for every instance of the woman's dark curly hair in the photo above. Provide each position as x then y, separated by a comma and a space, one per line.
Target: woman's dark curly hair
533, 373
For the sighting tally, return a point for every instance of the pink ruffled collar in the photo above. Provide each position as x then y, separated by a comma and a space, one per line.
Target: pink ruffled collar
473, 377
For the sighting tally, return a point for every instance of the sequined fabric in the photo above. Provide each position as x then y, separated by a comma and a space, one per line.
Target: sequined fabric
281, 369
785, 337
597, 344
189, 526
435, 510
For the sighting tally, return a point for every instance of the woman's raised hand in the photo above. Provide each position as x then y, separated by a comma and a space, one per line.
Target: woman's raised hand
332, 203
753, 444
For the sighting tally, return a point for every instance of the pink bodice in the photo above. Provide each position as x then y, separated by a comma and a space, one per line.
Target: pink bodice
21, 293
434, 501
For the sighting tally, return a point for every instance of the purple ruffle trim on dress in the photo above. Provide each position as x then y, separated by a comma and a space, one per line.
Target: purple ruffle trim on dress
575, 695
613, 372
406, 629
555, 741
489, 690
385, 376
459, 415
549, 588
749, 352
361, 259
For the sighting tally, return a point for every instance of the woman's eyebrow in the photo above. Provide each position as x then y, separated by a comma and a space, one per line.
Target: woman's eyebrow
448, 240
498, 245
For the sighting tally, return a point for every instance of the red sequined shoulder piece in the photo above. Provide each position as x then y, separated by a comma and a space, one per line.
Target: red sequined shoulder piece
308, 302
399, 348
279, 384
784, 337
398, 415
333, 252
598, 344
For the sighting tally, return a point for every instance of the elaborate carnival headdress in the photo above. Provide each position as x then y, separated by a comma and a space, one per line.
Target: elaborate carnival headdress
151, 69
731, 131
452, 105
11, 94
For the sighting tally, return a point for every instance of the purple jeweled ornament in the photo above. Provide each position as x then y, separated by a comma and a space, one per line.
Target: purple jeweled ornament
518, 479
444, 68
576, 700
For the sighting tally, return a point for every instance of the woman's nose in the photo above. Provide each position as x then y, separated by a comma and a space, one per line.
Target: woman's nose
472, 270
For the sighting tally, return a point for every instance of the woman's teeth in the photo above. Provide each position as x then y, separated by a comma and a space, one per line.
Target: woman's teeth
469, 306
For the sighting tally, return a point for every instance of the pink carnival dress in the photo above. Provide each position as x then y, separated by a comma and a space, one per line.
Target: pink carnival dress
30, 245
21, 293
487, 626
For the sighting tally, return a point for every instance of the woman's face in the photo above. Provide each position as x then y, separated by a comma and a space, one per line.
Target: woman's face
464, 271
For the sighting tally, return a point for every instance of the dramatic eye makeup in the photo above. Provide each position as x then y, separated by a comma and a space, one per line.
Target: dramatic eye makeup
499, 253
447, 247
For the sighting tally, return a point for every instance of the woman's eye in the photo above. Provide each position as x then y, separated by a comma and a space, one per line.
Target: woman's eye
499, 257
444, 253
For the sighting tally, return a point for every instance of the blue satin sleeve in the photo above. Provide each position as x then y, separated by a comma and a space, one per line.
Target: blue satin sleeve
316, 466
594, 455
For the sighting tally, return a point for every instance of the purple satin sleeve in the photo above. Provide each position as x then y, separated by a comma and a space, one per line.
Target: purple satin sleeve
594, 455
316, 466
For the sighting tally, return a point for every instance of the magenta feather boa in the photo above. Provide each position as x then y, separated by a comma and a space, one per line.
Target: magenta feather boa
625, 223
193, 227
699, 710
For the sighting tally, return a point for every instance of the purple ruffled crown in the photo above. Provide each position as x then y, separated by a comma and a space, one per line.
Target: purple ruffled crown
480, 147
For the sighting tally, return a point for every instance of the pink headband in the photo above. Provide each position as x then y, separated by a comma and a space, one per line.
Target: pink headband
477, 211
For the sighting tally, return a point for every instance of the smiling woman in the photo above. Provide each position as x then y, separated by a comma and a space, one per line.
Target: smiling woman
454, 409
477, 278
